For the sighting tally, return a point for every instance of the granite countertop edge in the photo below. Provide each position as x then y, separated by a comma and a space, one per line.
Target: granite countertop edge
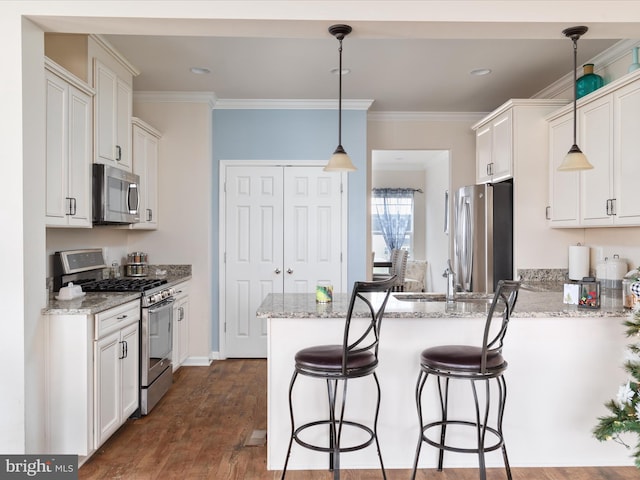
533, 302
93, 303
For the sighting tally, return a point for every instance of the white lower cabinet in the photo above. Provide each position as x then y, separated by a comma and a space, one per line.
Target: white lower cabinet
180, 325
92, 377
117, 384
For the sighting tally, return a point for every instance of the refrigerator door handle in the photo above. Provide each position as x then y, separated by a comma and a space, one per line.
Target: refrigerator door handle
446, 212
466, 254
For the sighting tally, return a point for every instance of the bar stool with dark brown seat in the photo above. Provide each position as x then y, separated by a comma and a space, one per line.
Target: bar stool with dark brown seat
473, 363
356, 357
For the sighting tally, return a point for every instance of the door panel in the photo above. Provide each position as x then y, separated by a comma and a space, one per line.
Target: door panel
283, 233
312, 220
253, 254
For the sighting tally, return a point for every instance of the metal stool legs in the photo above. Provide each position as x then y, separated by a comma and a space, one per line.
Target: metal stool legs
335, 427
480, 425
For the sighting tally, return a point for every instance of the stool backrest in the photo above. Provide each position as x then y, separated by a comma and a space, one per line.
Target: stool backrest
493, 340
399, 266
369, 337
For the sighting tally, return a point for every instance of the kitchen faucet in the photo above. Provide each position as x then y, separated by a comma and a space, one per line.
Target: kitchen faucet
451, 282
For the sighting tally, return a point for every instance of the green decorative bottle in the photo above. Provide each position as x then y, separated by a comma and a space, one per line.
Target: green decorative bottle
589, 82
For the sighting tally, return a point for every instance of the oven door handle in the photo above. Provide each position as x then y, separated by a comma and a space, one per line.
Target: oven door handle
160, 306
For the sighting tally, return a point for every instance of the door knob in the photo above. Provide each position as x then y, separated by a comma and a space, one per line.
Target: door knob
277, 270
289, 271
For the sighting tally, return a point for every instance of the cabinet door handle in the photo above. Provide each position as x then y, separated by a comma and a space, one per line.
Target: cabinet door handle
546, 212
149, 215
122, 317
610, 207
118, 153
122, 350
613, 207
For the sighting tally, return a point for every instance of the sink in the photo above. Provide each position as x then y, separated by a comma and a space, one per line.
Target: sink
475, 297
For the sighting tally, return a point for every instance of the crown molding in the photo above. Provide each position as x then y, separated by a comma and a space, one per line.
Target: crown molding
176, 97
601, 62
465, 117
291, 104
104, 43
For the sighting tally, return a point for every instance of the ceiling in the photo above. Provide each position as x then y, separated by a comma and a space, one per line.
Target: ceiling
398, 74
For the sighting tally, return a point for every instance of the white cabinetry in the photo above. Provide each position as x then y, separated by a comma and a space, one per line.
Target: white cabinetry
112, 117
608, 125
564, 187
494, 148
68, 149
506, 137
180, 325
145, 164
116, 368
595, 121
91, 377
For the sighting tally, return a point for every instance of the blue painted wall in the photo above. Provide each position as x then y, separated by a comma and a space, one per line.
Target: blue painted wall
294, 135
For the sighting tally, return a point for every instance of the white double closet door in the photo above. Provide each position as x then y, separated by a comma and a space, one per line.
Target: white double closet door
285, 231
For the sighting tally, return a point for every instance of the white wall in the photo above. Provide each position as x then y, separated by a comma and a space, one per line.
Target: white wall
186, 203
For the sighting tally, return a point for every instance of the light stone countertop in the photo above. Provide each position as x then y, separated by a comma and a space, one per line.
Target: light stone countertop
541, 301
92, 303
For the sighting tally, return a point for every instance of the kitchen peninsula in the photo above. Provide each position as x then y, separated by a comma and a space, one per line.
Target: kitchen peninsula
564, 364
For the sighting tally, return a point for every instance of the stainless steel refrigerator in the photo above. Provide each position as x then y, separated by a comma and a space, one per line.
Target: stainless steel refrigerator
483, 236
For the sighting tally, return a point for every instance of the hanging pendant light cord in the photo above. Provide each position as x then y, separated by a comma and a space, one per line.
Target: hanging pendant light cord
340, 93
575, 86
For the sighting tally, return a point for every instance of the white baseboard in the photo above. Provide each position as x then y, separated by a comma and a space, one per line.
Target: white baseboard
197, 362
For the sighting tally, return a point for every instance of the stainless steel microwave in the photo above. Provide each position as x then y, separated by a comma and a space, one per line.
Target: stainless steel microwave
116, 196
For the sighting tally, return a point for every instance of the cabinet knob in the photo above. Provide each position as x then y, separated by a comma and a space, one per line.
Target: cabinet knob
277, 270
289, 271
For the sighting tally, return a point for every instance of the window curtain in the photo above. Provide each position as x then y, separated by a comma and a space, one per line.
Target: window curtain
393, 210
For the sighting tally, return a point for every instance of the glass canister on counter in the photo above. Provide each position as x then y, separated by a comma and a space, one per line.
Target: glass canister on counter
628, 297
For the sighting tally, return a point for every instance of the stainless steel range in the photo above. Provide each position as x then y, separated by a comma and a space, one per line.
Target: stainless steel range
84, 268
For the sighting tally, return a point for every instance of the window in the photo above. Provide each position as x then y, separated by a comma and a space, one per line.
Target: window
392, 220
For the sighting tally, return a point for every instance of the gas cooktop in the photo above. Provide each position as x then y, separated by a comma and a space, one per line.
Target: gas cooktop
125, 284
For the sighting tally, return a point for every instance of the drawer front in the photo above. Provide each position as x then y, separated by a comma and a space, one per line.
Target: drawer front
116, 318
182, 290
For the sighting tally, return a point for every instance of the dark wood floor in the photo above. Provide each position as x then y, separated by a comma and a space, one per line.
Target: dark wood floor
199, 429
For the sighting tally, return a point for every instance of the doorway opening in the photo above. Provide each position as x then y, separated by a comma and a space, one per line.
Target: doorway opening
426, 174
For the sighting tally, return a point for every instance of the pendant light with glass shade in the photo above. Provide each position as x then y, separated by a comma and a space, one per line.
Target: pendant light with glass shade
340, 161
575, 159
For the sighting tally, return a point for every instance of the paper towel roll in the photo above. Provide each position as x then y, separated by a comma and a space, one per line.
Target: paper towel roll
578, 262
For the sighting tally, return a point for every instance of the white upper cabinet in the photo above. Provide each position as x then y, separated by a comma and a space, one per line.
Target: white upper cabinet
494, 149
564, 187
626, 167
510, 136
145, 164
68, 149
608, 125
596, 142
113, 107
